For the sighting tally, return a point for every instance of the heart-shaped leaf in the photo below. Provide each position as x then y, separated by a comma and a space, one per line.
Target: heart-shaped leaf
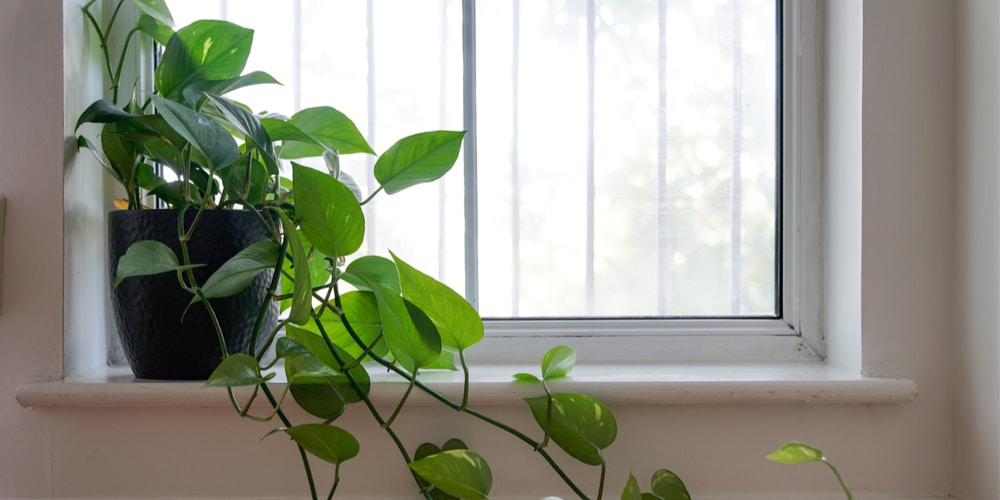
460, 473
239, 271
669, 486
328, 213
457, 321
631, 491
372, 272
581, 425
417, 159
795, 452
249, 125
156, 29
327, 442
236, 370
312, 385
328, 130
410, 335
321, 351
156, 9
146, 258
558, 362
204, 134
203, 50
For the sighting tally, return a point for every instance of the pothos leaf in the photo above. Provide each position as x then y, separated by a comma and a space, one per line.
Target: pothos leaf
581, 425
146, 258
327, 442
460, 473
236, 370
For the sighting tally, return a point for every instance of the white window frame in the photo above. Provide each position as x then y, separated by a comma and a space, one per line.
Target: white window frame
795, 337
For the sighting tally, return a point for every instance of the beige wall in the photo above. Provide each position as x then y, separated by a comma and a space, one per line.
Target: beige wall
977, 381
902, 261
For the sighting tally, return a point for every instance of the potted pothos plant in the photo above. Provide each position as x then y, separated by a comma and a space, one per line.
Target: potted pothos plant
204, 156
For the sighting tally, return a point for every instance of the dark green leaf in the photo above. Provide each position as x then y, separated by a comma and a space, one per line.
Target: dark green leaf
146, 258
239, 271
170, 192
581, 425
416, 159
203, 50
461, 473
194, 91
329, 128
285, 347
103, 111
83, 142
426, 450
457, 321
558, 362
237, 370
311, 384
795, 452
248, 124
156, 29
321, 351
329, 443
282, 130
329, 214
203, 133
667, 485
156, 9
301, 310
410, 336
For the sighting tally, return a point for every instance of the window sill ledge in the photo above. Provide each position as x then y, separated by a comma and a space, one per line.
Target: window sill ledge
492, 385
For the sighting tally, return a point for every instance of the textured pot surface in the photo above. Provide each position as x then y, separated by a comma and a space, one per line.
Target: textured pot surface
162, 337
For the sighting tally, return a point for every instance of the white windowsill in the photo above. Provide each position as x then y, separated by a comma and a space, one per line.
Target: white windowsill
492, 385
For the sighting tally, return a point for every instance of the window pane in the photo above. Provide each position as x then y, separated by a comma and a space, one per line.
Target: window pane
681, 104
626, 148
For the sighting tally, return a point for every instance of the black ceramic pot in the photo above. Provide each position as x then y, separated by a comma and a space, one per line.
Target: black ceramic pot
148, 310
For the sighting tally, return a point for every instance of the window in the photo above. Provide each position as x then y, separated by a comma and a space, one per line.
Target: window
624, 178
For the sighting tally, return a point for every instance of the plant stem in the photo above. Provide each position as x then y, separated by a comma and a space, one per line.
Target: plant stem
368, 403
302, 451
399, 407
447, 402
604, 471
843, 484
369, 198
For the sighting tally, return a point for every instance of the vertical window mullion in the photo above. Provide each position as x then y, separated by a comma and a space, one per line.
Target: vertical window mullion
591, 122
469, 122
371, 208
515, 166
736, 151
662, 263
442, 183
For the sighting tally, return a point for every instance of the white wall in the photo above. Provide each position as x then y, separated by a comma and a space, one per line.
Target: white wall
904, 256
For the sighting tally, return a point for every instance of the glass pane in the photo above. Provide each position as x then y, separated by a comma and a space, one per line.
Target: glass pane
682, 217
624, 170
403, 77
